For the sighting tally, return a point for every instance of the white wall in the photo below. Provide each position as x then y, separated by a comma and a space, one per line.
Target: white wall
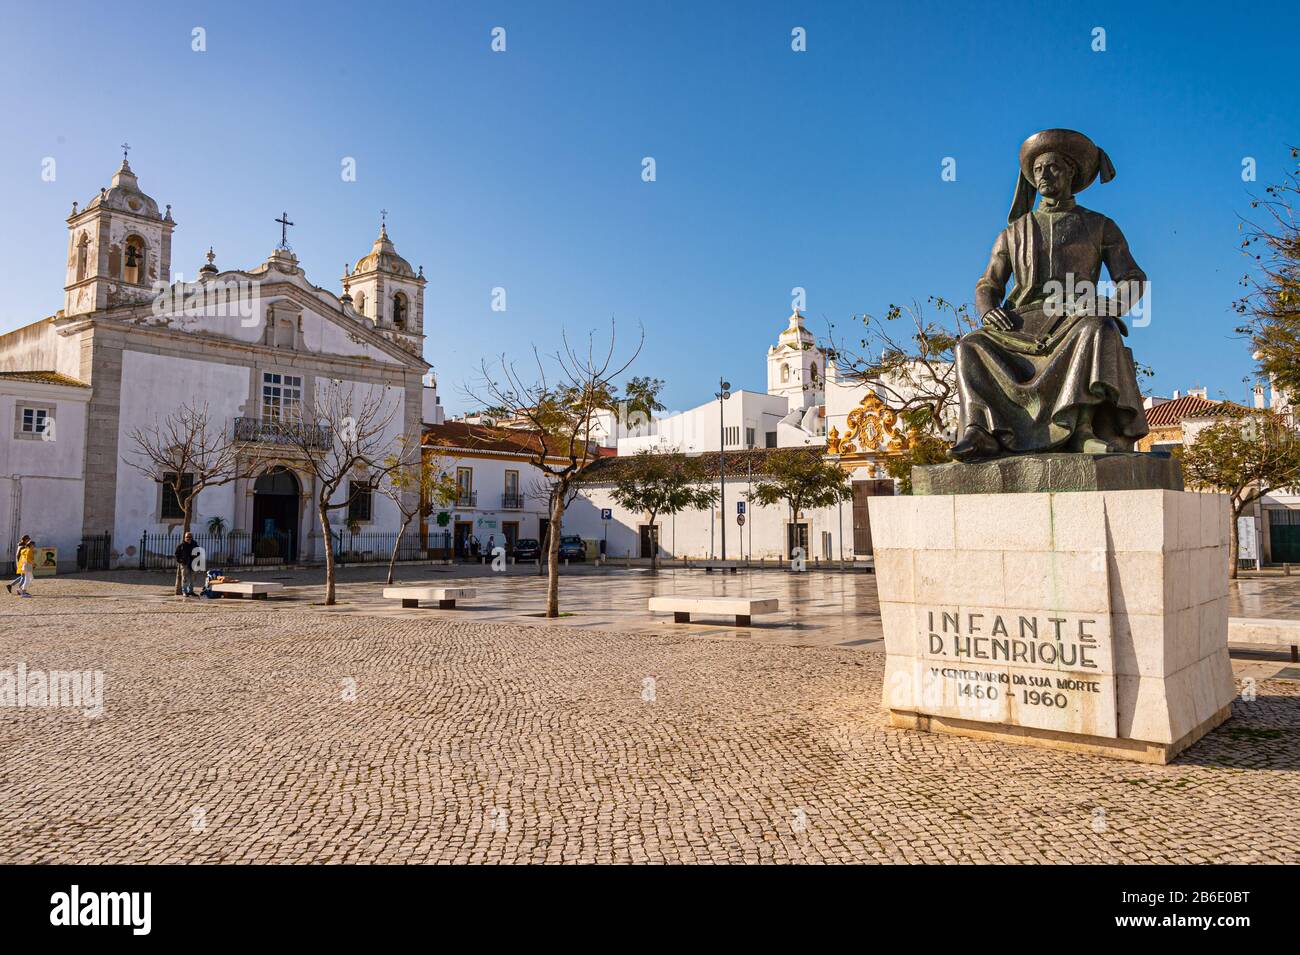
153, 387
697, 429
698, 533
41, 485
489, 482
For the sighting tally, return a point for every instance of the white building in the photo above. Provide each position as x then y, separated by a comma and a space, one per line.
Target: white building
768, 532
42, 461
808, 404
502, 496
255, 346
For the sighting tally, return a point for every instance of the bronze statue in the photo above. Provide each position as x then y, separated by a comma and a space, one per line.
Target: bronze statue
1049, 370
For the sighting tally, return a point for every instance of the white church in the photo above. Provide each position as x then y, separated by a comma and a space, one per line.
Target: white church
253, 345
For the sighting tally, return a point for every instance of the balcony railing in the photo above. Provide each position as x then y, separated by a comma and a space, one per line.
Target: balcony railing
512, 502
272, 431
466, 498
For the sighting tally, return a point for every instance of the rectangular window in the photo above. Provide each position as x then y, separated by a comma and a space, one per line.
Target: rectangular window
749, 437
464, 487
361, 500
512, 483
33, 420
731, 436
171, 503
281, 396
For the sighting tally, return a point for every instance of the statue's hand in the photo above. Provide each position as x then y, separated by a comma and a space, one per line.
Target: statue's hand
999, 318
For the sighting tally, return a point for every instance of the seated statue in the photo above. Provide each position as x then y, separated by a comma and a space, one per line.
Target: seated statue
1049, 371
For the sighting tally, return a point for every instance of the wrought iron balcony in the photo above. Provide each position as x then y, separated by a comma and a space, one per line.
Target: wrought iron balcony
274, 431
466, 498
512, 502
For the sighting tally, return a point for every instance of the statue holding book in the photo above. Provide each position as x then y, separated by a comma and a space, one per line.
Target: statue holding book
1049, 370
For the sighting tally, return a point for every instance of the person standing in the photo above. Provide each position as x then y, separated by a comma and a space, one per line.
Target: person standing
185, 552
24, 565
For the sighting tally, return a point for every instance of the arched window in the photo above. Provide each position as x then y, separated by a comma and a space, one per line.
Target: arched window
399, 310
360, 303
133, 261
785, 373
83, 256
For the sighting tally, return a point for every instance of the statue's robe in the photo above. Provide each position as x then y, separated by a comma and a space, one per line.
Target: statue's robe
1028, 386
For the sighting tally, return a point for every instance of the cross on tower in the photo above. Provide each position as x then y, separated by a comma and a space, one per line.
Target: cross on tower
284, 229
383, 220
126, 148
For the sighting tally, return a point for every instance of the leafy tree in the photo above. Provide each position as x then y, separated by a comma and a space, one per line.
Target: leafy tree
656, 484
557, 402
1245, 456
416, 484
922, 448
1271, 305
801, 478
641, 400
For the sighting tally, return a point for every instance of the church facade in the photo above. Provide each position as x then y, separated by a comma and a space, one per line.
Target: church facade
253, 347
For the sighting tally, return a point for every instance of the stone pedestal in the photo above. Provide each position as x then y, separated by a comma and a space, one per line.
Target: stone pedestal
1093, 621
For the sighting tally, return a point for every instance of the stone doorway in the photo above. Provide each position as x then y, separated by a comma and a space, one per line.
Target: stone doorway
276, 506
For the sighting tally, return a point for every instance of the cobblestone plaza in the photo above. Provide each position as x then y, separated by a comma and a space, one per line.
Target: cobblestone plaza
282, 731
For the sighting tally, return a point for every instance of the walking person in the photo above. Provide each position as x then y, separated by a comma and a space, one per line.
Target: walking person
24, 565
185, 552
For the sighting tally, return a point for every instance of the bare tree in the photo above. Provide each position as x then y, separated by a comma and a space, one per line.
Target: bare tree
909, 357
415, 483
344, 436
558, 406
187, 452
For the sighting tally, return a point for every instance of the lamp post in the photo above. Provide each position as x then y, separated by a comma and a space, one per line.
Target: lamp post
723, 393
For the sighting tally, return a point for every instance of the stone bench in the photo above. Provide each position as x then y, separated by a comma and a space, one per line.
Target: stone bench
1259, 631
253, 589
711, 565
446, 596
742, 607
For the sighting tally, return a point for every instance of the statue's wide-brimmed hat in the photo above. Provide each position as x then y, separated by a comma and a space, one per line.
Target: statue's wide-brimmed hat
1082, 151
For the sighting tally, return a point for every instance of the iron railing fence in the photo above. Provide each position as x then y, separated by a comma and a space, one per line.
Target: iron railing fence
272, 431
158, 551
95, 551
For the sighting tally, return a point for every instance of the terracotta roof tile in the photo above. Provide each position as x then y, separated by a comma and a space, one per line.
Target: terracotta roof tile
44, 378
478, 437
1169, 413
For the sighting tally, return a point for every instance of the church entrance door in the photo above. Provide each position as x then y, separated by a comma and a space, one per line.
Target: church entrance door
276, 496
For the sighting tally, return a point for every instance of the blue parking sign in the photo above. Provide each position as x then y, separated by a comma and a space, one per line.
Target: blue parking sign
606, 513
740, 507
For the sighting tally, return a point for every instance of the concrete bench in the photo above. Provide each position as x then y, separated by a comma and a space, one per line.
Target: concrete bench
1259, 631
253, 589
446, 596
711, 565
742, 607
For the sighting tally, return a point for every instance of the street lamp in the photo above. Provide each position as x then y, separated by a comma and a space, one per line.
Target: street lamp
723, 393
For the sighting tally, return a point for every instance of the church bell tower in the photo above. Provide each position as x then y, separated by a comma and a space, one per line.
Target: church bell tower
119, 246
385, 290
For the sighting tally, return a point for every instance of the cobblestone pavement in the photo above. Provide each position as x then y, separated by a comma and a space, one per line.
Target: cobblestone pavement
279, 732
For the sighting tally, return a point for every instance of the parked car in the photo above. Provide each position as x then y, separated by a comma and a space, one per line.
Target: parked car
571, 548
526, 548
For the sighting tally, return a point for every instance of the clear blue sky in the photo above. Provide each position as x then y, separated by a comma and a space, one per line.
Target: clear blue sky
775, 169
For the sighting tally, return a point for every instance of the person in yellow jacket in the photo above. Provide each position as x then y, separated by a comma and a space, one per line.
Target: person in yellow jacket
26, 565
